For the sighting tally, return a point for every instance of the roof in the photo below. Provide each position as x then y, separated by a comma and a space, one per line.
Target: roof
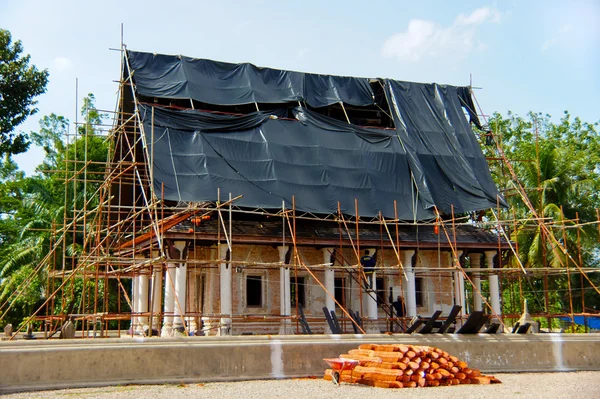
330, 233
292, 153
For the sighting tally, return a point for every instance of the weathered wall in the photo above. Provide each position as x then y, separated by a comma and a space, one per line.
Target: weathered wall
73, 363
437, 287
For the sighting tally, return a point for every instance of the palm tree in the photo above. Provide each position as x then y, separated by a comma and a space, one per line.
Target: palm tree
559, 177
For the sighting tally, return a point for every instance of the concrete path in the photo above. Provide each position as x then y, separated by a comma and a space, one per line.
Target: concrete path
585, 384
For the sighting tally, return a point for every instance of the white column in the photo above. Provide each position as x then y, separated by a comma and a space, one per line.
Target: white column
225, 284
476, 276
371, 293
329, 284
411, 293
142, 306
372, 300
134, 302
494, 286
192, 300
284, 291
180, 287
288, 293
169, 306
459, 284
156, 292
329, 279
211, 294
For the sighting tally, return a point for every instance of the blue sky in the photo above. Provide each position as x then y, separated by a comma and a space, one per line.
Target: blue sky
526, 55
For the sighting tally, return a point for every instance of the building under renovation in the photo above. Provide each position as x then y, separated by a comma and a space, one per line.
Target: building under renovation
240, 200
242, 197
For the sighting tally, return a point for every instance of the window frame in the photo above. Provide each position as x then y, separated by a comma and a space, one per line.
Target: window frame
419, 291
261, 279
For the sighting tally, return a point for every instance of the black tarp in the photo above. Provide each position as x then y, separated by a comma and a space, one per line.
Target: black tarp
317, 159
221, 83
445, 157
431, 159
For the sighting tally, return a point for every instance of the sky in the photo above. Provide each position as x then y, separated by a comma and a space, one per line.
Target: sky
541, 56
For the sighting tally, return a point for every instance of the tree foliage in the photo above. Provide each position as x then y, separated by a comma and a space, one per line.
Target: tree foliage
34, 207
20, 83
558, 166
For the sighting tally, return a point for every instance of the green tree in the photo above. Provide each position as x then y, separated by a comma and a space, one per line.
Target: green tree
20, 83
558, 166
37, 205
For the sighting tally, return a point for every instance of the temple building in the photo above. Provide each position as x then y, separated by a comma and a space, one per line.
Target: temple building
243, 198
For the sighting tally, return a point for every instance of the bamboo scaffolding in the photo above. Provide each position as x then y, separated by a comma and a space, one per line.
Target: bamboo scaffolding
125, 207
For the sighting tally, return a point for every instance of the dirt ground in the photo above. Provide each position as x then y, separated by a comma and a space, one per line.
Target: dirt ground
584, 384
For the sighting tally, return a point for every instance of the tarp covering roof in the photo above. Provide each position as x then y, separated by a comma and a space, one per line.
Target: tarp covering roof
432, 158
222, 83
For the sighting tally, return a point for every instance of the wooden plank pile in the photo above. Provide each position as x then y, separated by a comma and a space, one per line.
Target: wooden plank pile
408, 366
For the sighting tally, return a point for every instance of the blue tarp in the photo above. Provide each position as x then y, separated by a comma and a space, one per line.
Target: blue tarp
591, 321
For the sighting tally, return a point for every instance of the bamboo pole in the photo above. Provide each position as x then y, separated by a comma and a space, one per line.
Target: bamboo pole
579, 258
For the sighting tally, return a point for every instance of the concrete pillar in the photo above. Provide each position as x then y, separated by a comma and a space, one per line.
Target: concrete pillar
329, 279
411, 293
169, 302
329, 283
192, 299
134, 302
288, 293
156, 292
494, 286
459, 285
167, 328
371, 300
225, 284
179, 307
142, 301
476, 277
284, 291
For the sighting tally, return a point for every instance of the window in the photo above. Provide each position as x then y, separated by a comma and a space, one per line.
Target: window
381, 300
254, 291
300, 293
340, 288
419, 291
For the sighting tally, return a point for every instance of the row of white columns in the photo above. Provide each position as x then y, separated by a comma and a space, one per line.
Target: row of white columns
476, 278
175, 290
411, 297
174, 295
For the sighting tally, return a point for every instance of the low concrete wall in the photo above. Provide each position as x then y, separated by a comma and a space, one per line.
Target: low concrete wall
32, 365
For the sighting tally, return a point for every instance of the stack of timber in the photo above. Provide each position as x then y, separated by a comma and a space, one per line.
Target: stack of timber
408, 366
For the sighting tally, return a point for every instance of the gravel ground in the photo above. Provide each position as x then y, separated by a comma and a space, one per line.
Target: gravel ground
584, 384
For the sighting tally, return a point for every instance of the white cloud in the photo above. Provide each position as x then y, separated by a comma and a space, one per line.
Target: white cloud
427, 39
553, 41
62, 64
479, 16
